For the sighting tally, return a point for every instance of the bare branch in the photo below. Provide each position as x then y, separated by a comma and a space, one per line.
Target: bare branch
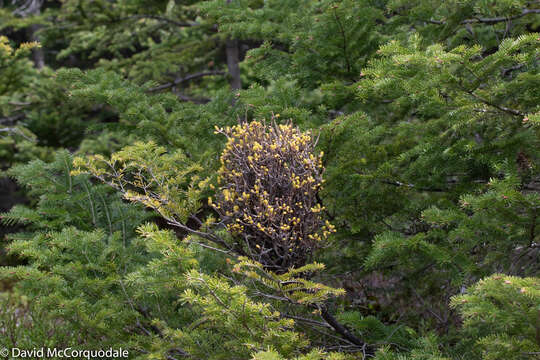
28, 7
16, 131
343, 331
306, 320
10, 120
180, 80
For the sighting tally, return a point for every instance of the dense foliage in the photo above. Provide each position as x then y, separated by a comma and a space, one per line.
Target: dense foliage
270, 180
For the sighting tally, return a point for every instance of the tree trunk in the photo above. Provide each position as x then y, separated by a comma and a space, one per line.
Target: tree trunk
37, 53
233, 59
32, 8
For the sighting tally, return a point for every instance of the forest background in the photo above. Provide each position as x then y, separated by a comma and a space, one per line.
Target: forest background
271, 179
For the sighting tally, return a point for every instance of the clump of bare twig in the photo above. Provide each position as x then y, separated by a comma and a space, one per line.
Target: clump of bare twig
269, 180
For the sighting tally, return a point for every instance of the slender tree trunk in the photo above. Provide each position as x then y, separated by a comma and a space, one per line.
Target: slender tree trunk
233, 59
37, 53
32, 8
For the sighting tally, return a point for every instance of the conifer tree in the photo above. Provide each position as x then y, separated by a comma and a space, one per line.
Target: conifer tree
427, 115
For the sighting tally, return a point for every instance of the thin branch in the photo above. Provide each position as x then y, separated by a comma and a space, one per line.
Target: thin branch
19, 103
426, 306
500, 107
306, 320
162, 19
179, 351
10, 120
201, 100
186, 78
532, 229
29, 7
16, 131
412, 186
505, 72
212, 248
274, 297
343, 331
494, 20
344, 39
205, 235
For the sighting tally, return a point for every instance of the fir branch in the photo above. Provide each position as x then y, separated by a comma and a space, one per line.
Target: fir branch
490, 21
505, 72
186, 78
307, 321
499, 107
412, 186
162, 19
201, 100
205, 235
